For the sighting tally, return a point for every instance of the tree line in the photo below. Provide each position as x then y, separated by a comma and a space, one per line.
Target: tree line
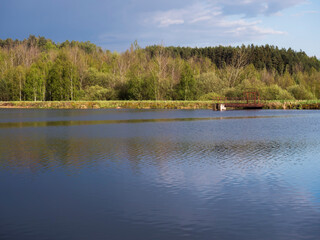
38, 69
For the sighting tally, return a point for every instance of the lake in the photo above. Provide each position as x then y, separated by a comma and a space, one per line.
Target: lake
159, 174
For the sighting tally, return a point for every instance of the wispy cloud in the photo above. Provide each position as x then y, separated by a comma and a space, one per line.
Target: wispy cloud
171, 17
303, 13
116, 24
199, 19
254, 8
252, 31
191, 14
203, 22
207, 20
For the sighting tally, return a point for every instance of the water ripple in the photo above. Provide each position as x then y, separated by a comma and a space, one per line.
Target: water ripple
230, 177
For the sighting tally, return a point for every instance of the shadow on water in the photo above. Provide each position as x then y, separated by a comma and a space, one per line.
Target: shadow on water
96, 122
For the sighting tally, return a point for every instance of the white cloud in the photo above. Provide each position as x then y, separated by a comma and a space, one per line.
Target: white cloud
300, 14
165, 22
254, 31
191, 14
253, 8
242, 27
167, 18
199, 19
205, 21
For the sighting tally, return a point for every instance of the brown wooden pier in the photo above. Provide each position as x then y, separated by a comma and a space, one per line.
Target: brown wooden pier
250, 100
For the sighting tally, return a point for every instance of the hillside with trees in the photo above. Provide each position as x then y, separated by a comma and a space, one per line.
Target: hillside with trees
38, 69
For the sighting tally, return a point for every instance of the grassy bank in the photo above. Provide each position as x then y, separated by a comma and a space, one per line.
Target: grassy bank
278, 104
296, 104
110, 104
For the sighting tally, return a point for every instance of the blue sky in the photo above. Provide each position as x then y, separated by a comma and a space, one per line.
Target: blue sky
114, 25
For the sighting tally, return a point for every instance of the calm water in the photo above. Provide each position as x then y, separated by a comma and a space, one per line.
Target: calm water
129, 174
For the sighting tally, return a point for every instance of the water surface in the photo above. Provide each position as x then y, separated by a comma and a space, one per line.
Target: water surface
150, 174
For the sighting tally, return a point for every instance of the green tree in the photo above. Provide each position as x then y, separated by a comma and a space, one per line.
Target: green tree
210, 82
4, 90
34, 84
186, 89
141, 88
14, 81
286, 80
63, 81
300, 93
99, 93
274, 92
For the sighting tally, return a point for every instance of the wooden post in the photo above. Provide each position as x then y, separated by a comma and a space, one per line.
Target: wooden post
214, 107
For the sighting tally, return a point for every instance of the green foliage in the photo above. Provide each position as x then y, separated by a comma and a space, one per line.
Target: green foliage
4, 91
250, 83
135, 89
99, 93
34, 83
49, 46
186, 89
94, 77
63, 82
210, 82
140, 85
13, 82
233, 93
269, 57
300, 93
141, 88
38, 69
285, 80
274, 92
209, 96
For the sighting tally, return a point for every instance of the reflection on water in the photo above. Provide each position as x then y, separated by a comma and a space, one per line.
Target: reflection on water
159, 174
73, 123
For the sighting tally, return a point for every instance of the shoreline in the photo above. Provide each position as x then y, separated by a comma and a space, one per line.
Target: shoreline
296, 104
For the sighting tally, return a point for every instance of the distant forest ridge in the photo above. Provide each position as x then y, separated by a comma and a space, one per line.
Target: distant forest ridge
40, 69
267, 56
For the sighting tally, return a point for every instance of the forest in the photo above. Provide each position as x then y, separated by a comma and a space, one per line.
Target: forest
38, 69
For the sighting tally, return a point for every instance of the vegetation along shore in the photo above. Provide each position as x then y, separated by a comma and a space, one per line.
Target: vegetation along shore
40, 70
296, 104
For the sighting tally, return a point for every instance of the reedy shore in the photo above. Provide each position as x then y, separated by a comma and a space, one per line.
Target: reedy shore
276, 104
